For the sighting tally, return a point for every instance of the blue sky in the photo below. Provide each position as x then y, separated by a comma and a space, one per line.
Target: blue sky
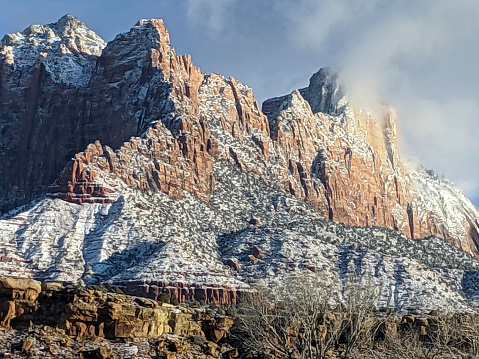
419, 56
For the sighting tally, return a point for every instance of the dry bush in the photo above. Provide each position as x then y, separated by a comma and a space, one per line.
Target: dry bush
444, 335
307, 320
304, 319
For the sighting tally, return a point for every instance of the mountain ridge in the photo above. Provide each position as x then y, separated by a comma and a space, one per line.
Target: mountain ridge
186, 160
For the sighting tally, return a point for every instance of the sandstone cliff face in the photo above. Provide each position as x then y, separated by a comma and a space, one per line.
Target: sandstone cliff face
43, 73
18, 298
153, 142
190, 120
346, 164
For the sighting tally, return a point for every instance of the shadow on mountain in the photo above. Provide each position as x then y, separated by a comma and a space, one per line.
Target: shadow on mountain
348, 254
93, 242
122, 261
240, 244
470, 285
100, 257
474, 234
97, 268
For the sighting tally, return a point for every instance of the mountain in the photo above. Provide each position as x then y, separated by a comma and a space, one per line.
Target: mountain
133, 168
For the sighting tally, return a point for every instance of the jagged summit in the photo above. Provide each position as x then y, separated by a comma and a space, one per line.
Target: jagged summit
68, 24
64, 48
325, 92
152, 22
68, 30
147, 29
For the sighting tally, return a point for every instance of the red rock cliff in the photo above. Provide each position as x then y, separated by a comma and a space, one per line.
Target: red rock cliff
160, 124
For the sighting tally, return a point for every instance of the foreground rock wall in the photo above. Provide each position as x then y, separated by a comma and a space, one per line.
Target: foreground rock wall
47, 320
93, 313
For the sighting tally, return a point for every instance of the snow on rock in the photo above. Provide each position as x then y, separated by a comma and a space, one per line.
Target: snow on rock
64, 47
441, 201
208, 181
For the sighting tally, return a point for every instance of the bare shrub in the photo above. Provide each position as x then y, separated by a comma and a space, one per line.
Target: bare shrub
305, 319
443, 335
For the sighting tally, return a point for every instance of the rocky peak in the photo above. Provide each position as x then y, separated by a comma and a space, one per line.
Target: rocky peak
325, 92
147, 34
64, 48
157, 24
68, 24
68, 30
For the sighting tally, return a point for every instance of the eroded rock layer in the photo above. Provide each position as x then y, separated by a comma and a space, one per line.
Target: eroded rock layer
73, 315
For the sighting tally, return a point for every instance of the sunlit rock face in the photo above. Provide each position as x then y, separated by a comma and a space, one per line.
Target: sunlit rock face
346, 164
158, 178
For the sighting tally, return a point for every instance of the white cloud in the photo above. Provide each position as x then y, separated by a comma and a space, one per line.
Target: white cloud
314, 22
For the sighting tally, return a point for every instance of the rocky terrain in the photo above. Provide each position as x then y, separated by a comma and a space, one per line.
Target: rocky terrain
52, 321
124, 165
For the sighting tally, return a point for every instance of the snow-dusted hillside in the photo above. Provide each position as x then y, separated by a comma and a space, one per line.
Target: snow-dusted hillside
151, 238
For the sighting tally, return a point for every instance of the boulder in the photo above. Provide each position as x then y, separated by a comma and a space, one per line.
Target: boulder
233, 263
20, 288
257, 253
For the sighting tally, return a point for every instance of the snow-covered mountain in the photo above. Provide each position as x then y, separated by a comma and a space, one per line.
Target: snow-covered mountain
179, 182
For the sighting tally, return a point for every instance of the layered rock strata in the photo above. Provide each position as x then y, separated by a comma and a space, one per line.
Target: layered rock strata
183, 292
342, 161
90, 313
72, 315
152, 139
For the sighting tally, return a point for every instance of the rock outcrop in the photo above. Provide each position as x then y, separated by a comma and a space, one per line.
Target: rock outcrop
113, 316
183, 292
18, 297
88, 313
71, 316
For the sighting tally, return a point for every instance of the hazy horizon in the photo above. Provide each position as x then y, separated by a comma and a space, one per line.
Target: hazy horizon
417, 56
